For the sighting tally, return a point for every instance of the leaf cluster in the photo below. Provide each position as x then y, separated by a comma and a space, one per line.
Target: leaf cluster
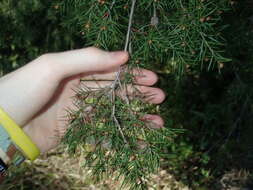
131, 150
176, 36
187, 35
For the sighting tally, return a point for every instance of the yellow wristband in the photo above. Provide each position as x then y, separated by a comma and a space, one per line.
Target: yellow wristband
18, 136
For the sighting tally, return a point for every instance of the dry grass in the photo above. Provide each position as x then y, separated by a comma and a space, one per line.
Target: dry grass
236, 180
59, 171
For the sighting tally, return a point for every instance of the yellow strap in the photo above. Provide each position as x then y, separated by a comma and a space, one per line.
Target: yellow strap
19, 137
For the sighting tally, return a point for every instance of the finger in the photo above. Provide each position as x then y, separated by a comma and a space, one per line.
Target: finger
86, 60
145, 93
140, 77
153, 121
144, 77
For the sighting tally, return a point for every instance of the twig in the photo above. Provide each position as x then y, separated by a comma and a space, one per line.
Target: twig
130, 24
115, 118
154, 19
113, 3
117, 80
127, 46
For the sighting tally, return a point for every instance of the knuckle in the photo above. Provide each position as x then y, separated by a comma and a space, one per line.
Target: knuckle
93, 49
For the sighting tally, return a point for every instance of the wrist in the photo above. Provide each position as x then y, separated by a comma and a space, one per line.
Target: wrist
13, 133
25, 91
31, 132
15, 145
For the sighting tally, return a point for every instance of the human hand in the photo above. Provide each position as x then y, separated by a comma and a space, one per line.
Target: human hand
37, 95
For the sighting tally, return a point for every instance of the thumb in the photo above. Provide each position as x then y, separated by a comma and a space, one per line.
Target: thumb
85, 60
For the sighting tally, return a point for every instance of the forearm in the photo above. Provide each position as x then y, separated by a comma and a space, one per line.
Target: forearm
18, 91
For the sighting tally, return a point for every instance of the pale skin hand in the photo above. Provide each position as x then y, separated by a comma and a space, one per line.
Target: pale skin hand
37, 95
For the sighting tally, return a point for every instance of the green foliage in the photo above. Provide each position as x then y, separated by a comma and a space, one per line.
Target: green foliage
209, 99
186, 34
27, 34
131, 149
178, 37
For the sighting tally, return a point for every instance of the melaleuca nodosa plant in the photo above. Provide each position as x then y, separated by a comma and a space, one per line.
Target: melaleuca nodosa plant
173, 36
